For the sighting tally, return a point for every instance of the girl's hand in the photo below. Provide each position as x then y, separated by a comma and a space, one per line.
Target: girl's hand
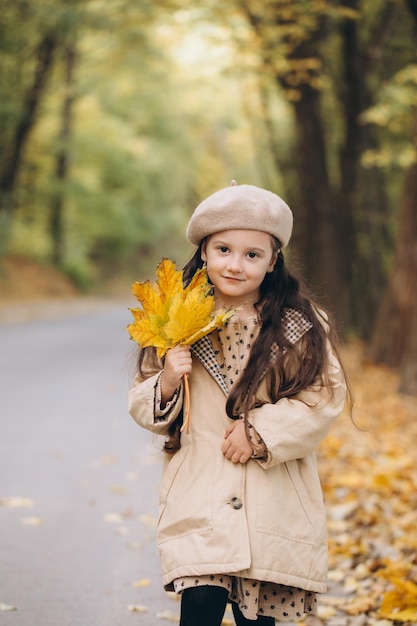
177, 363
236, 446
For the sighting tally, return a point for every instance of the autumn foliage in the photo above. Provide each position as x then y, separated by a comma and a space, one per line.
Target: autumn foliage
172, 314
369, 474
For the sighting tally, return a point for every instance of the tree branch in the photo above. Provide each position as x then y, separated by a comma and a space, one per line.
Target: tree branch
44, 56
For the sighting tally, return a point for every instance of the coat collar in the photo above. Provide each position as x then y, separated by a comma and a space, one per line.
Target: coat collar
295, 326
203, 350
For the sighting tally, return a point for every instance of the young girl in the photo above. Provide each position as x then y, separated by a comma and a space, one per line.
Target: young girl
241, 515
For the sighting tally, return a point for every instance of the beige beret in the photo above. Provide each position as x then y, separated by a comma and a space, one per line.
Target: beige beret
241, 207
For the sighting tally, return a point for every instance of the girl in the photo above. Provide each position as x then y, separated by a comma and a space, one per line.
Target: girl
241, 512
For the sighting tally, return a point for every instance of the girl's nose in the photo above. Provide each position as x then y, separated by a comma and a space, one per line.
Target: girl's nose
234, 264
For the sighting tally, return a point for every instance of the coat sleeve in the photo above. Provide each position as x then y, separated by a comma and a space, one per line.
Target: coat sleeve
294, 427
141, 405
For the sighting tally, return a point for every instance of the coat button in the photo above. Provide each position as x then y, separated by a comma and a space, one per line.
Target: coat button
236, 503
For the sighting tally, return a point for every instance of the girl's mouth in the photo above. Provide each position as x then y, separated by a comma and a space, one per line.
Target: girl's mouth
232, 279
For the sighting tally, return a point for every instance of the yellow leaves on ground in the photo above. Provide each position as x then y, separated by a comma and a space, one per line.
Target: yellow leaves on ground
8, 607
171, 314
148, 520
168, 616
137, 608
400, 603
16, 502
113, 518
142, 582
32, 521
369, 477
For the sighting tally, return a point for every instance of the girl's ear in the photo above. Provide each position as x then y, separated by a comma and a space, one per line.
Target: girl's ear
273, 261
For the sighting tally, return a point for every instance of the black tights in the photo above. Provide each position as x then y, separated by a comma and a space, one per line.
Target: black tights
205, 606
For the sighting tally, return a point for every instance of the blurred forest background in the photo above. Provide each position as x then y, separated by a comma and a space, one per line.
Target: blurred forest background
118, 116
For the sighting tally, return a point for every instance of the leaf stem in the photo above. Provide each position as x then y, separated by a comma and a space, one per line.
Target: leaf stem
186, 424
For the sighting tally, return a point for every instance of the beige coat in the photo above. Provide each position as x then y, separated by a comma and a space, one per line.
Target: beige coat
263, 520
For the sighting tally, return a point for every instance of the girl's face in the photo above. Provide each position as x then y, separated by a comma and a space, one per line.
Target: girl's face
237, 261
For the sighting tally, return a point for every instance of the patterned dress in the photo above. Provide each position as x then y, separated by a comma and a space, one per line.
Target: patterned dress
252, 596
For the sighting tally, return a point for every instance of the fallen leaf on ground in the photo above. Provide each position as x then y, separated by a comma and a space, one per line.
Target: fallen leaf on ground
32, 521
108, 459
358, 606
173, 596
119, 490
8, 607
324, 612
113, 518
168, 616
148, 520
143, 582
137, 608
400, 603
333, 600
16, 502
131, 476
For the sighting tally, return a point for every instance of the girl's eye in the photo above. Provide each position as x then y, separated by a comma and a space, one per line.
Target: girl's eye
223, 248
252, 255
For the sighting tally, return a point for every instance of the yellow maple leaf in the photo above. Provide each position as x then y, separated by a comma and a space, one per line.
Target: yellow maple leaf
188, 314
144, 331
169, 279
218, 320
400, 603
149, 297
199, 281
172, 314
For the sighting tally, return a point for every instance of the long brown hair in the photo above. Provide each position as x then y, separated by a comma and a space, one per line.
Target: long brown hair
279, 291
303, 362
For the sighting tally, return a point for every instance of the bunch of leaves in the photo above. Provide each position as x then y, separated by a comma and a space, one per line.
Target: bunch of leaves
171, 314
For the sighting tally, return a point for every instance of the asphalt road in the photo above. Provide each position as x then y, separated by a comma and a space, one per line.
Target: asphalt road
78, 478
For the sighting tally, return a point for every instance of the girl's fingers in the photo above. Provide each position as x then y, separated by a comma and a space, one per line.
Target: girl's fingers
178, 361
236, 446
228, 431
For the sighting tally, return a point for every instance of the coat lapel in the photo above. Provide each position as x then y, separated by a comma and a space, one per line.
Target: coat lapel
203, 350
296, 325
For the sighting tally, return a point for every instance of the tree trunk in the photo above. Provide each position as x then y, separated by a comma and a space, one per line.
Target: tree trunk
395, 338
63, 158
395, 333
322, 256
44, 57
352, 102
372, 226
363, 199
408, 368
317, 220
